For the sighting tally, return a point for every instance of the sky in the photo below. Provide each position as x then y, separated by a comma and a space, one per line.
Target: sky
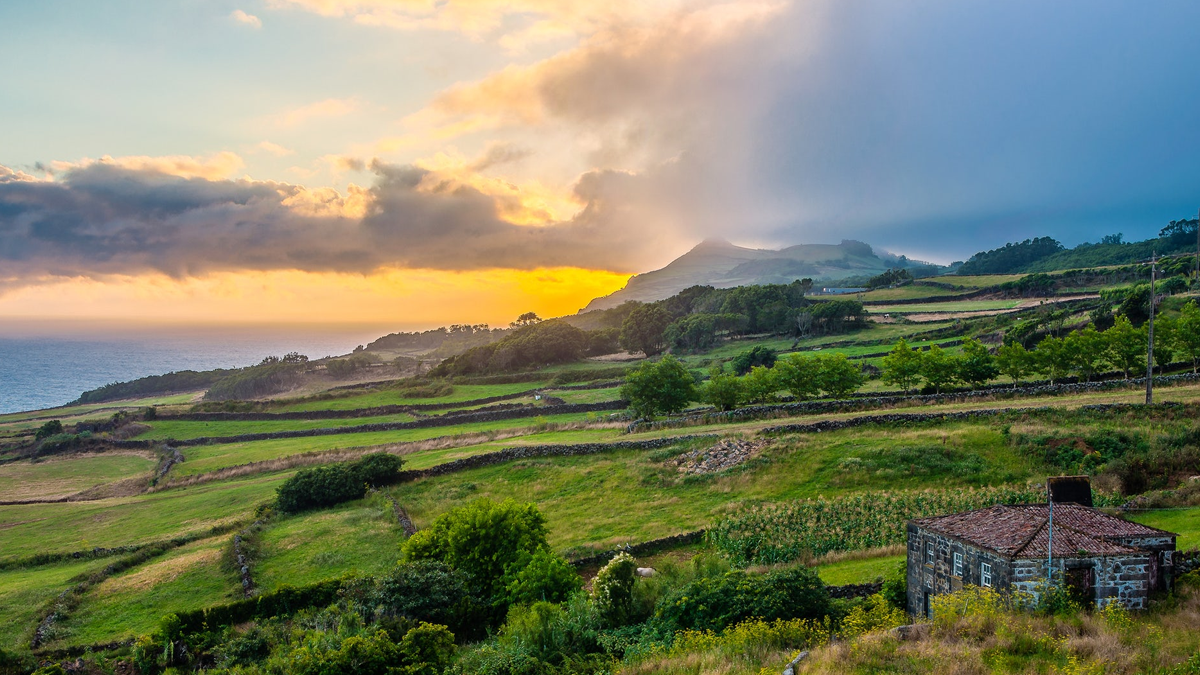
413, 163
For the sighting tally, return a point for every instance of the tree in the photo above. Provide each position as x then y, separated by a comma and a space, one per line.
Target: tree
939, 368
526, 319
1187, 333
51, 428
761, 384
1136, 304
658, 388
1053, 357
800, 375
1014, 361
1089, 351
757, 355
723, 391
1165, 336
838, 376
1125, 346
642, 331
976, 365
902, 367
695, 332
482, 539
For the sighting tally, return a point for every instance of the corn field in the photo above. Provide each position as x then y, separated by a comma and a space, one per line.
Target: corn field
785, 531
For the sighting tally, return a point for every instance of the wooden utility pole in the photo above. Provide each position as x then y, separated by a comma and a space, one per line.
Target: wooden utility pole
1150, 336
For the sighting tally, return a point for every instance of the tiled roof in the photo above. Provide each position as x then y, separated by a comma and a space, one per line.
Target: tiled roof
1022, 531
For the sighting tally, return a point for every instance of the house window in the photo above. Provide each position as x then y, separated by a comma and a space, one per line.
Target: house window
985, 575
958, 564
929, 553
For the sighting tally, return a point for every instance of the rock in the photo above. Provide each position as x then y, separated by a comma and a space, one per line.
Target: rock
790, 669
913, 631
726, 454
646, 572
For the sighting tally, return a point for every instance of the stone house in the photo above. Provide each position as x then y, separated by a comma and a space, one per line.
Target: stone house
1101, 558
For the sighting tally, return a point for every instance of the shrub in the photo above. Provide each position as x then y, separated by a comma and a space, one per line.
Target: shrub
427, 649
336, 483
723, 391
757, 355
425, 590
612, 590
713, 603
542, 576
481, 539
51, 428
876, 613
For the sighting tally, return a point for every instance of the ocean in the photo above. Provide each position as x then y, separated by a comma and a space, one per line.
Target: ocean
42, 369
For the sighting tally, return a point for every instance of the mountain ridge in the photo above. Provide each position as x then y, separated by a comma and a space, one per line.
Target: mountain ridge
721, 264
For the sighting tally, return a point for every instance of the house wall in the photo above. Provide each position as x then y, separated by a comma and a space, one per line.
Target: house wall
1122, 578
1119, 578
939, 578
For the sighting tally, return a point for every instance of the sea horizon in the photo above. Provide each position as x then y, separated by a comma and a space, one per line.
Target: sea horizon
49, 364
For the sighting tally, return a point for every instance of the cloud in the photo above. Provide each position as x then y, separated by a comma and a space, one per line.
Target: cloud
214, 167
518, 23
247, 19
103, 218
330, 107
274, 149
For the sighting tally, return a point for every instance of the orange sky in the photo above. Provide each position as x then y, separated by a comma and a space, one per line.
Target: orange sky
400, 297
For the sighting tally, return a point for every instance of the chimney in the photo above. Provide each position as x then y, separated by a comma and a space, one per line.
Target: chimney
1070, 490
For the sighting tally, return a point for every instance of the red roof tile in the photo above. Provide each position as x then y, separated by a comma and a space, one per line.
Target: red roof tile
1021, 531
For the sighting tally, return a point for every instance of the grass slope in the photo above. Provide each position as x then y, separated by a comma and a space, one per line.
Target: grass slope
59, 477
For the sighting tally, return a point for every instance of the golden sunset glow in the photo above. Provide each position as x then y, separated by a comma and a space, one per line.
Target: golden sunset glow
394, 296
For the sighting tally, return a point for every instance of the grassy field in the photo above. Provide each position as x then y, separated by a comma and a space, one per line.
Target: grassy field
95, 409
62, 476
862, 571
644, 498
185, 429
951, 306
204, 458
907, 292
132, 603
47, 528
360, 538
371, 399
23, 592
1183, 521
977, 281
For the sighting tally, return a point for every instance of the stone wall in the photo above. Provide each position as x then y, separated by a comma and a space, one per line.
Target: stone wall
425, 423
531, 451
939, 578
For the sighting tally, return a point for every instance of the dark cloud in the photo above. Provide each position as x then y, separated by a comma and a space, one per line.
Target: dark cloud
105, 219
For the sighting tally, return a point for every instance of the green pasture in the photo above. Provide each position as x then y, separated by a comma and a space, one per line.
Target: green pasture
205, 458
645, 498
132, 603
91, 408
863, 571
23, 592
185, 429
1183, 521
951, 306
381, 397
51, 528
588, 395
977, 281
360, 538
59, 477
908, 292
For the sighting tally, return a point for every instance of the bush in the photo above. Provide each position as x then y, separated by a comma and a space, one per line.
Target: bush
427, 650
723, 391
542, 576
424, 590
755, 356
336, 483
713, 603
51, 428
482, 539
876, 613
612, 590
